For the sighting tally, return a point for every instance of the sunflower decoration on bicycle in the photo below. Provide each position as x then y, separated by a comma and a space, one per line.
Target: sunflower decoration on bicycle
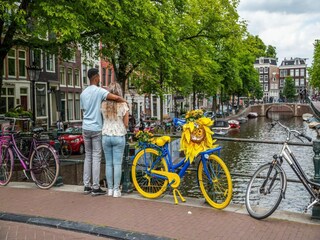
196, 135
144, 136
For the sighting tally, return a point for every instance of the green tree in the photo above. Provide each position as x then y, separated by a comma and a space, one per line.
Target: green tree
52, 25
289, 90
314, 70
271, 51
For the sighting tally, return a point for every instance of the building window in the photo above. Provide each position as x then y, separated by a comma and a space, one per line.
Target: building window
296, 82
261, 78
154, 106
41, 100
104, 77
70, 106
302, 72
296, 72
301, 82
76, 78
77, 106
69, 77
36, 57
109, 76
62, 76
22, 63
266, 78
281, 83
50, 62
274, 86
266, 87
281, 73
265, 70
84, 74
12, 62
261, 69
6, 100
292, 72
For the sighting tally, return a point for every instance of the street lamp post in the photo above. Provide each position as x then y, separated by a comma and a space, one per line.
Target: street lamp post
132, 94
33, 73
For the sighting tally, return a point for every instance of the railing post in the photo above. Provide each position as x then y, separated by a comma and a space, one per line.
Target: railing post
316, 162
126, 184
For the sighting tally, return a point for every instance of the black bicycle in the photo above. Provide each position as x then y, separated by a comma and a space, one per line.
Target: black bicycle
268, 184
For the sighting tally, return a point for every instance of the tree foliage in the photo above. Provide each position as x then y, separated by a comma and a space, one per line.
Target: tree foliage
177, 46
289, 90
314, 70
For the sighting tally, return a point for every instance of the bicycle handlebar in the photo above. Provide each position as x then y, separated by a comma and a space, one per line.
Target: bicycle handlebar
296, 133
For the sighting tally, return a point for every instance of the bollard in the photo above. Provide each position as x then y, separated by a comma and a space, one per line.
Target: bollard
316, 162
126, 184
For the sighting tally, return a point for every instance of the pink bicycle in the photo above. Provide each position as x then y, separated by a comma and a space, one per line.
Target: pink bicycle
41, 161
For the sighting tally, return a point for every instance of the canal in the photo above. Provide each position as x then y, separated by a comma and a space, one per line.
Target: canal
244, 158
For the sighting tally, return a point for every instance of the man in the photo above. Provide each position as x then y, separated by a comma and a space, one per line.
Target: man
90, 102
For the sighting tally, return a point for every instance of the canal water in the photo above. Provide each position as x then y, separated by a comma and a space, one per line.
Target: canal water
244, 158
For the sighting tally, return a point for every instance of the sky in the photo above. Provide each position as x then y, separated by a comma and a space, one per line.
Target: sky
292, 26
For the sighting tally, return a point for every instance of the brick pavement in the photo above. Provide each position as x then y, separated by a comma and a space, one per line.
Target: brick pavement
150, 218
17, 231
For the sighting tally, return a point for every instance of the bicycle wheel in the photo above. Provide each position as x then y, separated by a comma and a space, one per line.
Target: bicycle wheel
145, 161
218, 190
264, 191
6, 165
44, 166
66, 150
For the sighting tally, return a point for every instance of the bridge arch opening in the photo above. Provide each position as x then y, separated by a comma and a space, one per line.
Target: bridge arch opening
279, 110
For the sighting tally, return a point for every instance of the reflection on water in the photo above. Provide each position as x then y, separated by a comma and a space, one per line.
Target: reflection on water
245, 158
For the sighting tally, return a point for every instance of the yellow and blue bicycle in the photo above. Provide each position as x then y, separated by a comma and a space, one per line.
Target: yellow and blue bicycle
153, 170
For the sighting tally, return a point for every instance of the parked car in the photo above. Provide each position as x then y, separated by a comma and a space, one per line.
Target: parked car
75, 139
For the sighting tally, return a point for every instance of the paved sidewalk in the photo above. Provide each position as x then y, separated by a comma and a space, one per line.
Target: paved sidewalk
133, 217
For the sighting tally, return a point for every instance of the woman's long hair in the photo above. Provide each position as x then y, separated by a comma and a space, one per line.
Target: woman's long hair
111, 106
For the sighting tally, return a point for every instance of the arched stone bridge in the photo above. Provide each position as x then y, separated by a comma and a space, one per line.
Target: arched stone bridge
297, 109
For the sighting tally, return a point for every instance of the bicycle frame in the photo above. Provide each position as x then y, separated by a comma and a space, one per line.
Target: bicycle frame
183, 164
290, 158
22, 158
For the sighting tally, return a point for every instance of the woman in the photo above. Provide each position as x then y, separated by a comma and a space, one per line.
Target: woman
115, 124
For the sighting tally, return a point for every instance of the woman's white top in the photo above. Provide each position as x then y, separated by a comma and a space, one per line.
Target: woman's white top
114, 127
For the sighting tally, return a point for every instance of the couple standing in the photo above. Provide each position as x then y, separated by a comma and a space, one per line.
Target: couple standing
105, 123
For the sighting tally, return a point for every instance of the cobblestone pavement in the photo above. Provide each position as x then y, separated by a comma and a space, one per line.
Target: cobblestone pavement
133, 217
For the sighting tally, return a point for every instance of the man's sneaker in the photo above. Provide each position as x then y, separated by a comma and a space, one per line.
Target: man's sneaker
87, 190
117, 193
110, 192
99, 191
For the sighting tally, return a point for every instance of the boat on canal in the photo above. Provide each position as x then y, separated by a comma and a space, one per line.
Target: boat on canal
220, 127
234, 124
252, 115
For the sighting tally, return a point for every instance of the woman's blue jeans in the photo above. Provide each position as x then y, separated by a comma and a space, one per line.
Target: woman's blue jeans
113, 147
